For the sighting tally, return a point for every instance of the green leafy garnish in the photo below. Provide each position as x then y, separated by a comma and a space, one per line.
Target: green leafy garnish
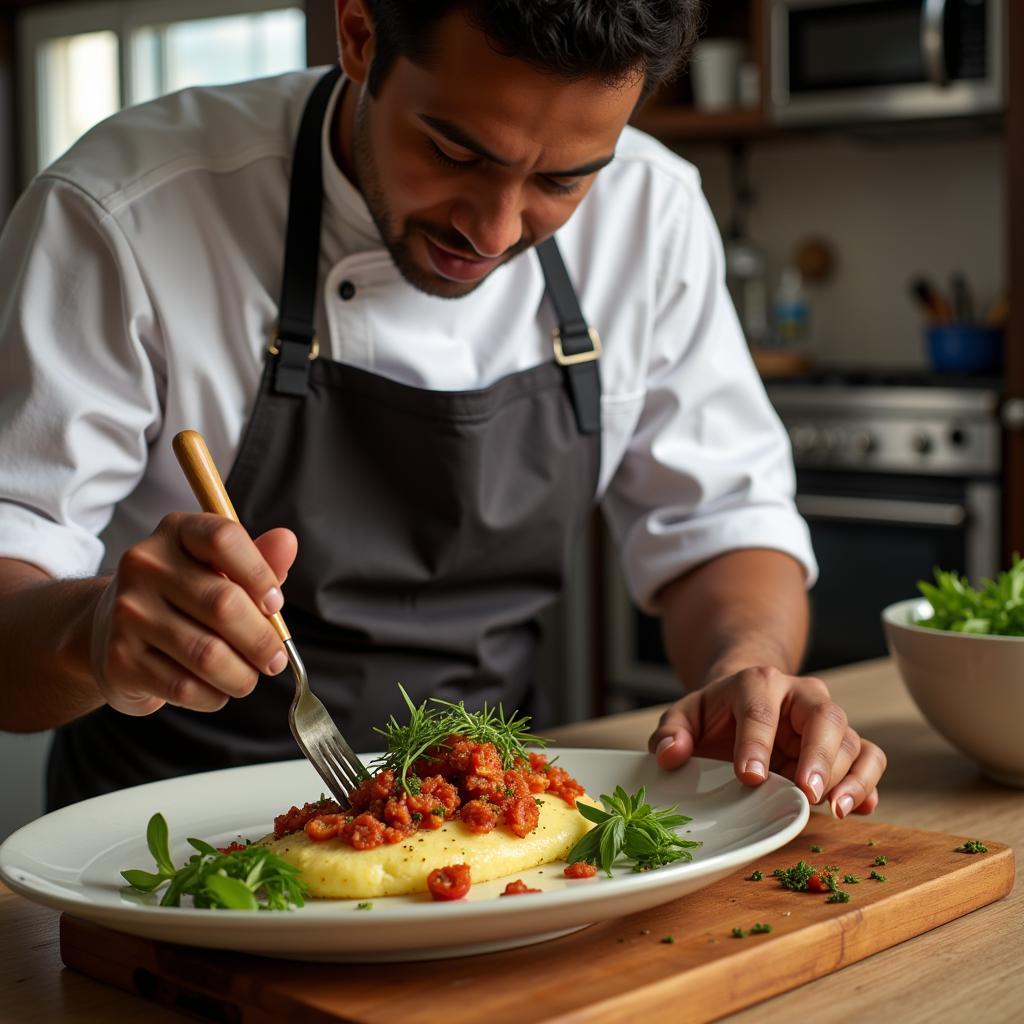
995, 609
632, 829
435, 720
366, 905
756, 876
252, 878
876, 876
760, 929
738, 933
796, 877
973, 846
851, 880
881, 860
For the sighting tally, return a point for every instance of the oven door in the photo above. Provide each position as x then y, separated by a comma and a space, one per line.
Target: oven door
875, 536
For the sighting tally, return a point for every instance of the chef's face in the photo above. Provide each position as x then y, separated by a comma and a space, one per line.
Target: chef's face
468, 160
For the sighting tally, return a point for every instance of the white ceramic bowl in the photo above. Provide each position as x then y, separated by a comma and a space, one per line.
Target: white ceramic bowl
969, 687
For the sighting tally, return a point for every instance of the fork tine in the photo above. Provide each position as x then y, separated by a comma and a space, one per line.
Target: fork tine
343, 761
327, 770
347, 755
325, 752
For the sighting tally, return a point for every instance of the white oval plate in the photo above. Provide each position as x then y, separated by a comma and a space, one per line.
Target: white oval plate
71, 860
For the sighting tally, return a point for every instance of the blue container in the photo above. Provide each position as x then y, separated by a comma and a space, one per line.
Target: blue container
964, 348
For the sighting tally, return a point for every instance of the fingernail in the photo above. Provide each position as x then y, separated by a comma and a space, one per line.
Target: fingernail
272, 601
664, 744
816, 784
754, 768
844, 805
277, 663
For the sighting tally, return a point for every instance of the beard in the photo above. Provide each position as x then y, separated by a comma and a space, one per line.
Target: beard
396, 239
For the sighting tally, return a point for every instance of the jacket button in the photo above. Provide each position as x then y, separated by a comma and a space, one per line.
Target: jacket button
346, 290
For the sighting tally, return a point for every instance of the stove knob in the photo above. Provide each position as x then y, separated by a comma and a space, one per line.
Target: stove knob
804, 438
863, 443
922, 444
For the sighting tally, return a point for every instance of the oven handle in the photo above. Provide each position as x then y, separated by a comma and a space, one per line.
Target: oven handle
881, 510
933, 41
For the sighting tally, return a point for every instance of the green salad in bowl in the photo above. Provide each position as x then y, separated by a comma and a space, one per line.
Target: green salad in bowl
996, 608
960, 652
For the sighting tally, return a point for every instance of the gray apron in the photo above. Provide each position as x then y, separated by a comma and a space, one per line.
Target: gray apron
433, 528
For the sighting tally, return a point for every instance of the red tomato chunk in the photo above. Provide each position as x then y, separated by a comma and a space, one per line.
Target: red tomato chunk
581, 869
518, 888
459, 779
449, 883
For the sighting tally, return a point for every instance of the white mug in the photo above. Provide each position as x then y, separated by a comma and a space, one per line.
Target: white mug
714, 70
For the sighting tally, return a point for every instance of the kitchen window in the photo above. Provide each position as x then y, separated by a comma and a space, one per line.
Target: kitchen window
83, 62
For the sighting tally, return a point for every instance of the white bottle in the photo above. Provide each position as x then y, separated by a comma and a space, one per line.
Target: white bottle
792, 316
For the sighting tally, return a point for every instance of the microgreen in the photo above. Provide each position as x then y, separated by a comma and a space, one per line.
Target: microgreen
973, 846
435, 720
632, 829
996, 608
252, 878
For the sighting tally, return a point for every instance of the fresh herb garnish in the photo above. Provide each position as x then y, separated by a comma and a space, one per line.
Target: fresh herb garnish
760, 929
972, 846
435, 720
367, 905
851, 880
738, 933
839, 896
756, 876
251, 878
815, 849
996, 609
796, 877
631, 828
876, 876
881, 860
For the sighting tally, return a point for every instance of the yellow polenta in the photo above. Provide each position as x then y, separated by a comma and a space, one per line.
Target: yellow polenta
333, 870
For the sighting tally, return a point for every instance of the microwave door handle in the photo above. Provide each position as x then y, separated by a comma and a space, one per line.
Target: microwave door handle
933, 41
880, 510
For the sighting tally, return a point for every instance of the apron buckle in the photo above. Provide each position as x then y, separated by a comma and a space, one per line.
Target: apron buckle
573, 358
292, 359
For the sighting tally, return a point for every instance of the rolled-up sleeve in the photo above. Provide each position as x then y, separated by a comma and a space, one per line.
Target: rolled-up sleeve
709, 467
79, 398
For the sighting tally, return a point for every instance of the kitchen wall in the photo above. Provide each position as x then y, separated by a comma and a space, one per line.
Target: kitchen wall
890, 207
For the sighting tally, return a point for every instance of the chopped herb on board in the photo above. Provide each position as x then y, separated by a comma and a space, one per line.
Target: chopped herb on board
871, 842
668, 940
757, 876
796, 877
881, 860
851, 880
839, 896
738, 933
877, 877
972, 846
815, 848
760, 929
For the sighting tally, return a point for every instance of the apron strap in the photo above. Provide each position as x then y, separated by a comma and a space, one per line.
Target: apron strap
295, 342
577, 346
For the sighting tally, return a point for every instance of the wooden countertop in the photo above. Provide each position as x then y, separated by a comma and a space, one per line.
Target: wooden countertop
969, 968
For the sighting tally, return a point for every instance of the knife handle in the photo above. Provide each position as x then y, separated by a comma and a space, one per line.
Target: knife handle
201, 472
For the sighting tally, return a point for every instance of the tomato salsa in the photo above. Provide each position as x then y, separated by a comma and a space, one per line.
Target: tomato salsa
459, 779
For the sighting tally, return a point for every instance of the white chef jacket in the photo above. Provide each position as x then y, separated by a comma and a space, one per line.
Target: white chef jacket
139, 280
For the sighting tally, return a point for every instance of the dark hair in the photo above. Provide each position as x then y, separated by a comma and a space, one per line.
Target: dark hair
609, 39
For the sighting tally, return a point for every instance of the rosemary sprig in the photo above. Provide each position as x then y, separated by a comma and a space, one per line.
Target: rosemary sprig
435, 720
632, 829
252, 878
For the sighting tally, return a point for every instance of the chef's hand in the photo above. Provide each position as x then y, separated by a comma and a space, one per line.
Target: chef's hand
183, 620
762, 717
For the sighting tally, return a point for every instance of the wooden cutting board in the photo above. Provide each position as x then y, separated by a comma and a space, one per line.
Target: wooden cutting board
610, 972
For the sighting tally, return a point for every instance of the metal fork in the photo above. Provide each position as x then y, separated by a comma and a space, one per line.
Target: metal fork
314, 730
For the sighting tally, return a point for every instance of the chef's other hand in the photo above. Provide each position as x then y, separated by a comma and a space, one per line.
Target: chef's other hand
183, 621
762, 717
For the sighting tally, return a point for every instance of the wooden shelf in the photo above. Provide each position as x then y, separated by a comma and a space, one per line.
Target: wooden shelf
673, 123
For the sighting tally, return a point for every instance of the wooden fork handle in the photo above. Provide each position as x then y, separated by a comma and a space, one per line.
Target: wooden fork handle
208, 487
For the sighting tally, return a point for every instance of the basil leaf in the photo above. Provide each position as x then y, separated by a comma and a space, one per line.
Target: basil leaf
204, 847
158, 842
231, 893
143, 880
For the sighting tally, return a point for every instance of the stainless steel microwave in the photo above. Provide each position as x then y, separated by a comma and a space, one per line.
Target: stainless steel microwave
875, 60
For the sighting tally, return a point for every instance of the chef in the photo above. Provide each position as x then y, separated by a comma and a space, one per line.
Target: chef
427, 310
